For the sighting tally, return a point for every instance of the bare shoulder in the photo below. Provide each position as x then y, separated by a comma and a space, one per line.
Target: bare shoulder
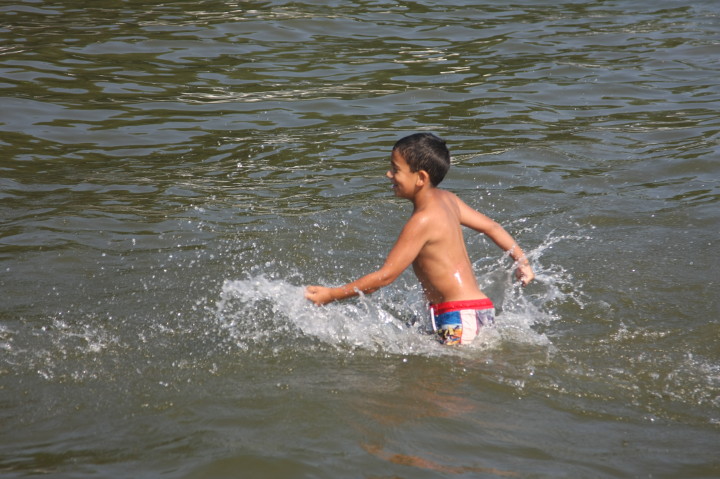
455, 199
424, 221
421, 218
453, 203
471, 217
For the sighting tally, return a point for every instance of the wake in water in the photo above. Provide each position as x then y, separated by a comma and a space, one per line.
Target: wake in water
394, 320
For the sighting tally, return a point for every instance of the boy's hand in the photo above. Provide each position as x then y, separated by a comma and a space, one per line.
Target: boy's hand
524, 274
318, 294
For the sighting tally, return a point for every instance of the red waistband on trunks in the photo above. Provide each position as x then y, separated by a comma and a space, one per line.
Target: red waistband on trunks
476, 304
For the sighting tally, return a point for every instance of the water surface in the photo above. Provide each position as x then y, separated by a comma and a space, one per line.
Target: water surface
173, 174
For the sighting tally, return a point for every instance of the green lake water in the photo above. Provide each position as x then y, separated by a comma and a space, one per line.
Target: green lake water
173, 173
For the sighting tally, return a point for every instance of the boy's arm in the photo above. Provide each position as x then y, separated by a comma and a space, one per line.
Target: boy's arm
479, 222
367, 284
408, 245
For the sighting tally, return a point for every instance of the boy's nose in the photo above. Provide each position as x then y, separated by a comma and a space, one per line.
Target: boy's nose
389, 174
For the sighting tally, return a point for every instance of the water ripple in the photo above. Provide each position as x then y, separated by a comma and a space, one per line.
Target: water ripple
152, 153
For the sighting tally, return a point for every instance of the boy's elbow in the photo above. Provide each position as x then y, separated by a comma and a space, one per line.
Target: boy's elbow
385, 278
494, 228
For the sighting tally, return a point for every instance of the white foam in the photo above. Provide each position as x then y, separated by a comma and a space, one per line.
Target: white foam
394, 320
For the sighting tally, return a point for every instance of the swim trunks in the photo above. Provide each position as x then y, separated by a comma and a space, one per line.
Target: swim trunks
459, 322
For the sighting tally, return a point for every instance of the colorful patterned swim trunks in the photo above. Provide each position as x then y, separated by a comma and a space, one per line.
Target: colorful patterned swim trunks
459, 322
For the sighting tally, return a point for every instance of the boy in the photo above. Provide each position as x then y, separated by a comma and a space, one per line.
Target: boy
432, 241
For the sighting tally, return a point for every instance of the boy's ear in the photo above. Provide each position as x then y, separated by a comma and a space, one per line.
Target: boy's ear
424, 177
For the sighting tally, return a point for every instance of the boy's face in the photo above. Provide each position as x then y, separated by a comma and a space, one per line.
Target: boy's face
403, 180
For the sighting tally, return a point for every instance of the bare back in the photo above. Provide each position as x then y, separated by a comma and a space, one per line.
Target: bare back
442, 265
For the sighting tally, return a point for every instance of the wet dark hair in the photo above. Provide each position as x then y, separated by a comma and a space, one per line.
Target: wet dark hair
425, 151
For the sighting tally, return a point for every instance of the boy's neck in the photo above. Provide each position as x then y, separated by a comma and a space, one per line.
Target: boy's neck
423, 196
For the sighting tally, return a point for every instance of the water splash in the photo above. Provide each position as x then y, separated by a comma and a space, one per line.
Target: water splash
259, 310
